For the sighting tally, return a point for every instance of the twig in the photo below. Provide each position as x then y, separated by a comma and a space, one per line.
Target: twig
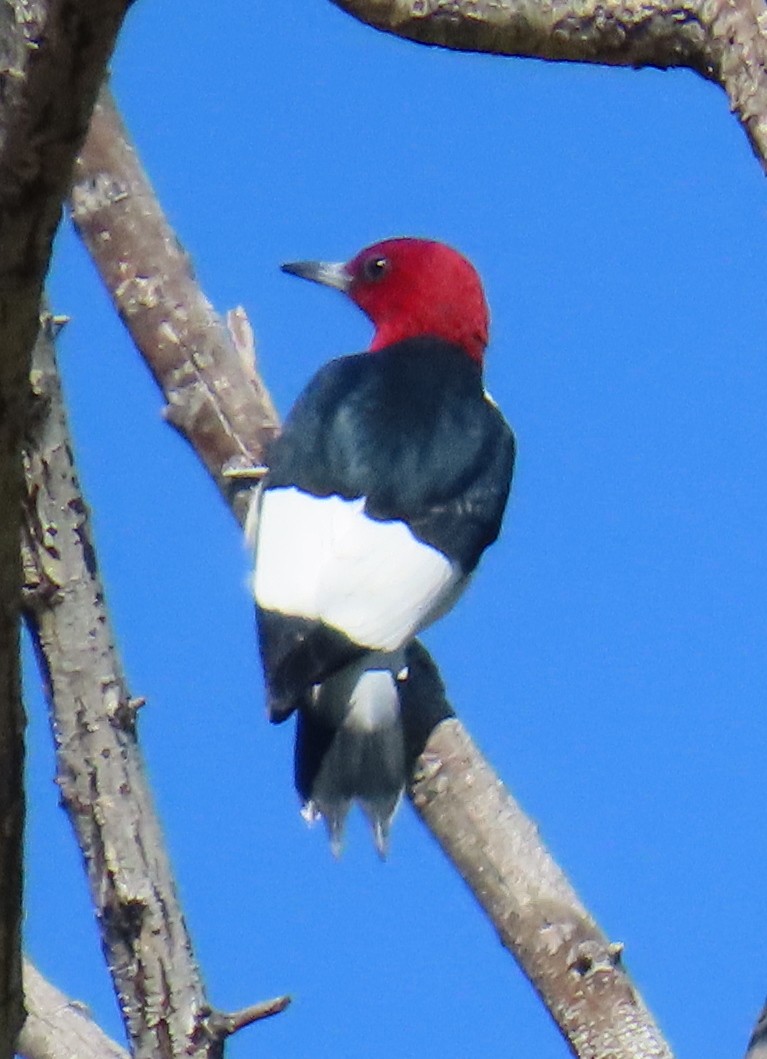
224, 1025
58, 1027
487, 837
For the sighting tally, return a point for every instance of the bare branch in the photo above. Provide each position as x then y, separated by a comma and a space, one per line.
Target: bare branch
621, 33
723, 40
58, 1027
488, 838
211, 386
538, 916
52, 58
99, 767
757, 1046
225, 1025
497, 850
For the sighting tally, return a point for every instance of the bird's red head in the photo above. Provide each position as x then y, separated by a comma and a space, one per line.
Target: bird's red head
411, 287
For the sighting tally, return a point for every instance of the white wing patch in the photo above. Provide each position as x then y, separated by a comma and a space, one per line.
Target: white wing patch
323, 558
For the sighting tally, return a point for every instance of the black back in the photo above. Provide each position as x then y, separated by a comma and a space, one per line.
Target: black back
410, 428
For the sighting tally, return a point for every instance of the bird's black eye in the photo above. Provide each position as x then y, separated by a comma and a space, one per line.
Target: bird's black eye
375, 268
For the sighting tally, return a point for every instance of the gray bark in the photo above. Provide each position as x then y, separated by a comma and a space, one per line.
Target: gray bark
757, 1045
59, 1028
53, 54
539, 918
100, 770
215, 397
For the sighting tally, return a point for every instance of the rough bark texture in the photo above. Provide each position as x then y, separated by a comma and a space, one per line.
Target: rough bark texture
496, 849
99, 768
206, 370
488, 838
757, 1046
737, 45
59, 1028
538, 916
723, 40
52, 59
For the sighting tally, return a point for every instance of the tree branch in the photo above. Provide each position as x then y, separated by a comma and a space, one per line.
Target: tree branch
59, 1028
576, 971
206, 370
723, 40
490, 841
52, 58
227, 1024
496, 849
100, 771
757, 1045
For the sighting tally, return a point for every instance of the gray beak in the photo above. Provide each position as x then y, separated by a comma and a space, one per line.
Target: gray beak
328, 273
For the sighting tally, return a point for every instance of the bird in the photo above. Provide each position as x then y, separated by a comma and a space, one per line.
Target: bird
387, 483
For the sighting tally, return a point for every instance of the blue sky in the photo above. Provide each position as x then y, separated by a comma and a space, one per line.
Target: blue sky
610, 656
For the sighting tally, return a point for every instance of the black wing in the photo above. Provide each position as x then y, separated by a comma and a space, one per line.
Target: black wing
411, 429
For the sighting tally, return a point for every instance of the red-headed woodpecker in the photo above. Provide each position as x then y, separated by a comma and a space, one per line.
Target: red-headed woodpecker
387, 483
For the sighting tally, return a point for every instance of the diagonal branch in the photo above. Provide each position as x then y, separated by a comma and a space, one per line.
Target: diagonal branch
723, 40
216, 399
482, 831
59, 1028
99, 766
757, 1046
497, 851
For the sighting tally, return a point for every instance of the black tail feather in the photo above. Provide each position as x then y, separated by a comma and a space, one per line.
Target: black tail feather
358, 737
350, 746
